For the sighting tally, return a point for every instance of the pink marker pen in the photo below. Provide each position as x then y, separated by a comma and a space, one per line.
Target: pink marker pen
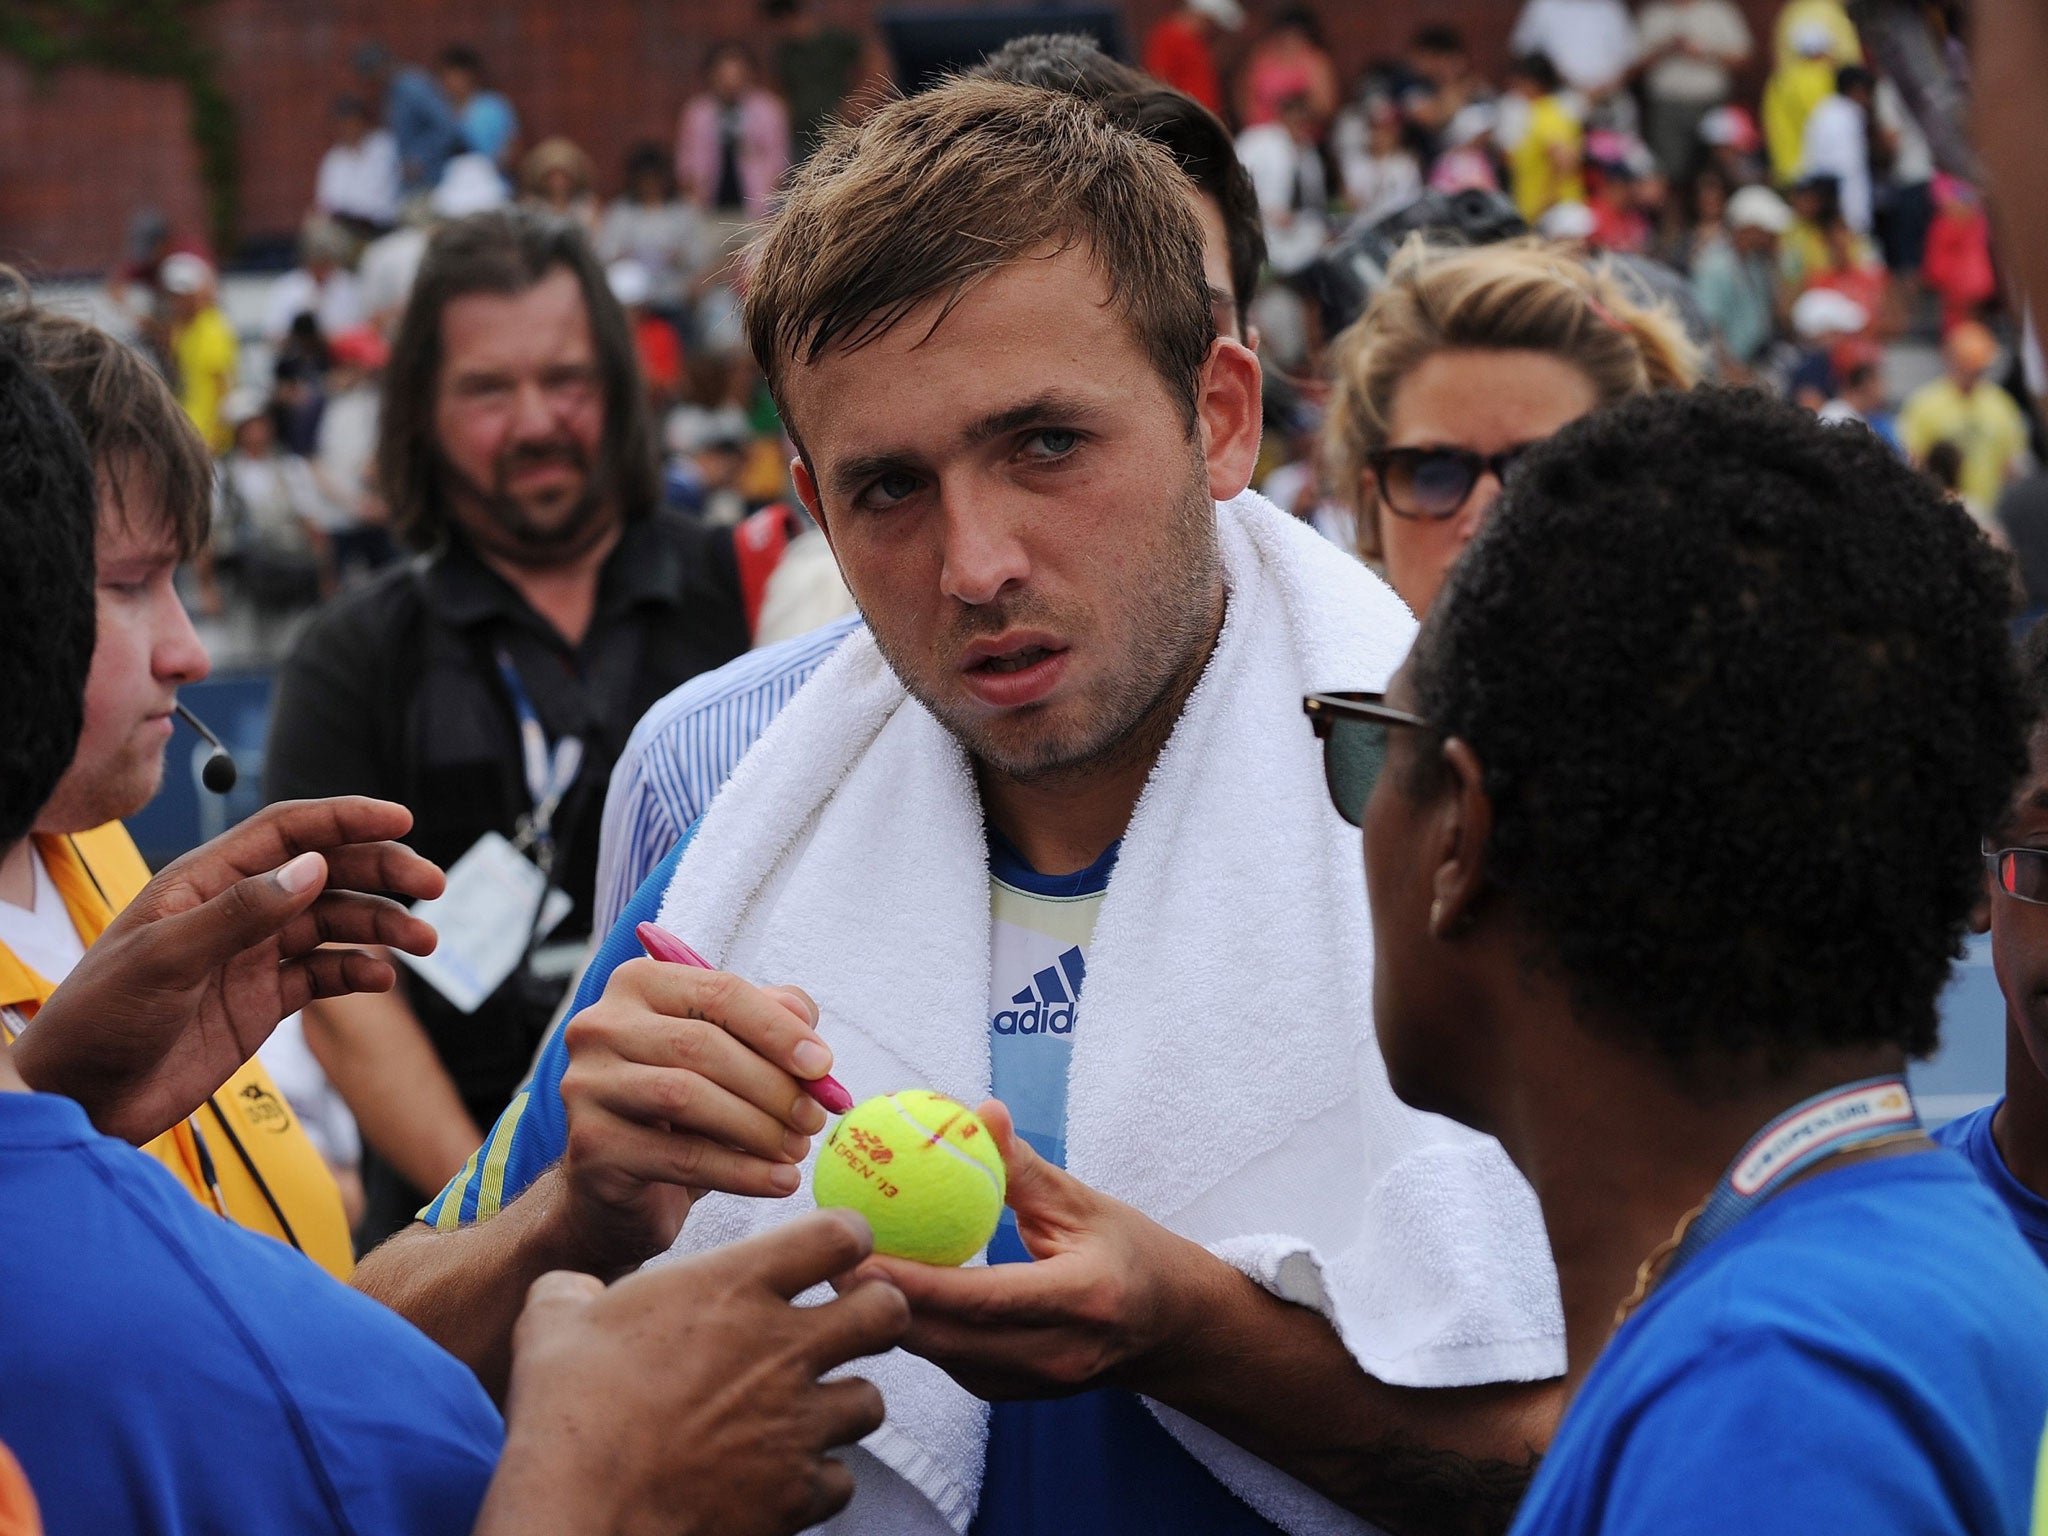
660, 944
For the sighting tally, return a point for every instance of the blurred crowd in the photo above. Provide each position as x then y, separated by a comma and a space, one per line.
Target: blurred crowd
1788, 199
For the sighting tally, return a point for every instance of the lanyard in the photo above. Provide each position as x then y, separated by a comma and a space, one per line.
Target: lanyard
548, 774
1850, 1115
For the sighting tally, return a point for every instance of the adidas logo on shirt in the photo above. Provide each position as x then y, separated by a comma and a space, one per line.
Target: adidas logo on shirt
1047, 1005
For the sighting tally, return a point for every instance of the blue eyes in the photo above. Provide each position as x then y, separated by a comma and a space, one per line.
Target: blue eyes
1047, 446
1056, 441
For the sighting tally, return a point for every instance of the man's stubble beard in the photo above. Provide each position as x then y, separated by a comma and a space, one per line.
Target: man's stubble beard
1140, 704
515, 535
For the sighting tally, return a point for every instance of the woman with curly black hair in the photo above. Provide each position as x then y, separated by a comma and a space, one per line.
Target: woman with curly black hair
1677, 837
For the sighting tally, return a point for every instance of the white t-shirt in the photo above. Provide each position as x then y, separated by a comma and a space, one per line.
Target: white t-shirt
360, 180
1837, 145
1714, 25
1592, 42
42, 937
336, 303
1293, 198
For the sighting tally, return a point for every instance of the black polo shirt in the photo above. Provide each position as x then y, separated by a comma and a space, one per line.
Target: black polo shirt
394, 691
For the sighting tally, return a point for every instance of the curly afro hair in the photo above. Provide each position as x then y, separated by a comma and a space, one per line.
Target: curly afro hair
47, 507
1743, 691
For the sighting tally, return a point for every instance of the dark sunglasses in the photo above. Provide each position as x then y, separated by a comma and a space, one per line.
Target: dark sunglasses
2022, 873
1434, 482
1353, 730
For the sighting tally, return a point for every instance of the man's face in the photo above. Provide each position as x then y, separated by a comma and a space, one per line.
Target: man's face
144, 649
1021, 510
519, 412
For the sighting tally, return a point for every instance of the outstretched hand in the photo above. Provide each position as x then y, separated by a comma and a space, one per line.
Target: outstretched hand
1099, 1302
193, 976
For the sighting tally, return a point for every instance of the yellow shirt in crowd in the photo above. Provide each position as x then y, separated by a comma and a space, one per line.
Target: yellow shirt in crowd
1986, 425
1539, 185
205, 351
244, 1154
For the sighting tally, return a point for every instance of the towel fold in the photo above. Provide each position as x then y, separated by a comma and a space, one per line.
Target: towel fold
1224, 1080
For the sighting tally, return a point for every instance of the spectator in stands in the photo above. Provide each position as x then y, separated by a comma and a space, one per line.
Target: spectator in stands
518, 456
470, 184
1433, 85
273, 519
347, 452
1615, 192
1285, 164
650, 224
822, 70
1860, 396
321, 285
654, 338
1467, 160
202, 343
1957, 264
1592, 45
358, 181
1545, 162
1802, 80
1180, 50
485, 117
1822, 319
1691, 51
421, 122
733, 147
1735, 278
558, 178
1462, 361
1379, 174
1966, 407
1289, 60
1732, 143
1903, 169
1837, 142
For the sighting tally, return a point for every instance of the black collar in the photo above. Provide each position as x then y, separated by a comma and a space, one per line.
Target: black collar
462, 591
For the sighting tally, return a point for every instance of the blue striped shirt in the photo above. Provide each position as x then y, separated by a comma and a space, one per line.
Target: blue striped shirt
685, 747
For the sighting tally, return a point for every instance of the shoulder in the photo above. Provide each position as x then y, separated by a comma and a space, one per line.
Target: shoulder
372, 620
770, 674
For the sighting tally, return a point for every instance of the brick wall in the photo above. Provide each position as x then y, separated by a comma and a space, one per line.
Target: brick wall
79, 153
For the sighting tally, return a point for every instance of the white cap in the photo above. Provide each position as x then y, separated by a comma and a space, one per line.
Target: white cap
1820, 312
182, 272
629, 281
1566, 221
1759, 208
469, 184
1474, 120
1227, 14
1812, 40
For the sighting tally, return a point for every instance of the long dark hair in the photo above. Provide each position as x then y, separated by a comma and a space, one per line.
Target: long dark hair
506, 251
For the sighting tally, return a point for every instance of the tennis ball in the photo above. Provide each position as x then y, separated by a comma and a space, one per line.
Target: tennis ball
922, 1169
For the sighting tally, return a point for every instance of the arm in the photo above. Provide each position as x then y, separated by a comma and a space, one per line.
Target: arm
1115, 1299
373, 1049
2011, 59
377, 1055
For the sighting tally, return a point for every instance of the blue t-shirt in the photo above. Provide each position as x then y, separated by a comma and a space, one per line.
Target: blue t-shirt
165, 1371
1867, 1352
1971, 1136
1097, 1462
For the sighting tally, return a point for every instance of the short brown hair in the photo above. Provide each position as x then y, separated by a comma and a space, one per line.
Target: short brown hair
140, 438
1520, 296
506, 251
930, 194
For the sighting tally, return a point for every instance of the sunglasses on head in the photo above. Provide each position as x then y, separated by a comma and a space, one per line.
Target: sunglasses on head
1353, 729
1434, 482
2022, 873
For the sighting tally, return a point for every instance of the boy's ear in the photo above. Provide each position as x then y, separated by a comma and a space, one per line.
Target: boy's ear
1980, 909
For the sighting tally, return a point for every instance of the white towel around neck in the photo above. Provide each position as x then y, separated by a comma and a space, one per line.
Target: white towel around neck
1225, 1079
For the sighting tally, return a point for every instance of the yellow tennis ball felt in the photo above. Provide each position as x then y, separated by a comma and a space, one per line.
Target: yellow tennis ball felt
922, 1169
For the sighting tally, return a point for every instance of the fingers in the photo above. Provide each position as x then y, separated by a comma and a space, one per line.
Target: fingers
384, 867
797, 1000
831, 1491
767, 1026
697, 1103
650, 1155
251, 911
867, 1319
291, 827
331, 973
347, 917
687, 1073
846, 1411
1033, 1186
553, 1300
802, 1253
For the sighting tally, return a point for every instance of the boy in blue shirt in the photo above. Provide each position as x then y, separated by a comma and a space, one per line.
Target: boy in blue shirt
1665, 902
2007, 1142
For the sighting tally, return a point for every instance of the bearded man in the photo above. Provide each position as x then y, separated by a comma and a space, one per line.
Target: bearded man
490, 684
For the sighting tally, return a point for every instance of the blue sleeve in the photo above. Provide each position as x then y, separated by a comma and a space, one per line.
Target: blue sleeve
1777, 1436
530, 1135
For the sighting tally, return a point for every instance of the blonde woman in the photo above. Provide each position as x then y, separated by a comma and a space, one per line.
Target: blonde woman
1463, 360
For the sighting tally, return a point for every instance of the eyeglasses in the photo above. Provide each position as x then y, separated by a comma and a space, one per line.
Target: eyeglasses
1434, 482
2022, 873
1353, 730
